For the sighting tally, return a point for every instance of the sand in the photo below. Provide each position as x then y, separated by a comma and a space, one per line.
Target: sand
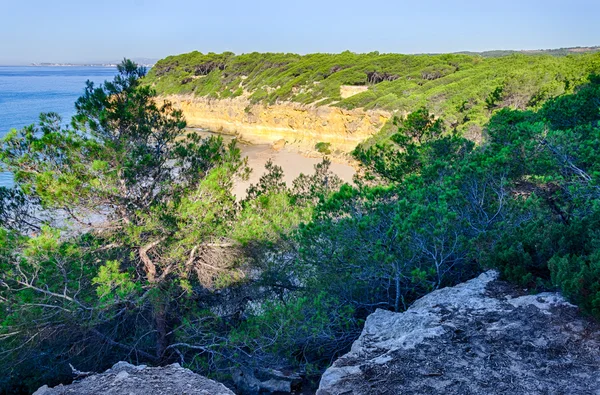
292, 161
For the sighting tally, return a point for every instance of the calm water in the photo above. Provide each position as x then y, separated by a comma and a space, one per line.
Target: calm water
25, 92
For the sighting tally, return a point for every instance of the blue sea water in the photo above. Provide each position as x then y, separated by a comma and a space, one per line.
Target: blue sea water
25, 92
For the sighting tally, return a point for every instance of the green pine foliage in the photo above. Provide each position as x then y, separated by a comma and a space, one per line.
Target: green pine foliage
435, 209
463, 89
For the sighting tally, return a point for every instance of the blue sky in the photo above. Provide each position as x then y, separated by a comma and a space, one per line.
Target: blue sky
104, 30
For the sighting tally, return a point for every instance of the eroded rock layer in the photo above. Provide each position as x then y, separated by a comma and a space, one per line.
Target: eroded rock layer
480, 337
294, 123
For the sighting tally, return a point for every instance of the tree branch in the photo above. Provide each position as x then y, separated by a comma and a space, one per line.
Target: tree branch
149, 266
124, 346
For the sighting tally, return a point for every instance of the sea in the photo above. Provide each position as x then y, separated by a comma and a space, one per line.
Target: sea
25, 92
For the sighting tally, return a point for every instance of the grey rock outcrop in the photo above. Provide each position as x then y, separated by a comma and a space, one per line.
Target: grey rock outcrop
265, 381
480, 337
126, 379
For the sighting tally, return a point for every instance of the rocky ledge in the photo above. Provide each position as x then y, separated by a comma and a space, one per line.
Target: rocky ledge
126, 379
480, 337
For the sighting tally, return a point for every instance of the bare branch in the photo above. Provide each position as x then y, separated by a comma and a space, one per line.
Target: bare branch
149, 266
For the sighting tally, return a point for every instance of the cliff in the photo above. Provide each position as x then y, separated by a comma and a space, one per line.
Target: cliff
299, 125
480, 337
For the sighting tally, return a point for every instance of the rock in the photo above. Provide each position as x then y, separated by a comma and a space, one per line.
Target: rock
44, 390
264, 381
480, 337
124, 378
278, 145
121, 376
347, 91
245, 382
125, 366
300, 125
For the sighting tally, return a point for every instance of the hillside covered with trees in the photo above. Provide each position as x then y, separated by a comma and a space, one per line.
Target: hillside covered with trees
463, 89
122, 239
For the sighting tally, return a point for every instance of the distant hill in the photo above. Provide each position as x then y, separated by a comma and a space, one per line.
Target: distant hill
552, 52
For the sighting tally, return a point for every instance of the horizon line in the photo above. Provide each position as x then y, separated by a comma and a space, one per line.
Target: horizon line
113, 63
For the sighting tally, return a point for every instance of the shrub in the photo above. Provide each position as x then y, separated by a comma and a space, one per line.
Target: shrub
324, 148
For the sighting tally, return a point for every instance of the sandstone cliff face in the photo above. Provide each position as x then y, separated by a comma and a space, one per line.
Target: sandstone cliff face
480, 337
299, 125
126, 379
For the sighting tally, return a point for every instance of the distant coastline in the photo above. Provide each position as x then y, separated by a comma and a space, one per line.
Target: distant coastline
81, 65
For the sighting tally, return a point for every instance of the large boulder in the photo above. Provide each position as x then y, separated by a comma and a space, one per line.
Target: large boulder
126, 379
480, 337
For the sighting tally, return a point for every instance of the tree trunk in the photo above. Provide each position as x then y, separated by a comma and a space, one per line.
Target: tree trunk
160, 319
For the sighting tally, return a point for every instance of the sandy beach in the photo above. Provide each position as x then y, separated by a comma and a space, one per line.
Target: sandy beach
292, 161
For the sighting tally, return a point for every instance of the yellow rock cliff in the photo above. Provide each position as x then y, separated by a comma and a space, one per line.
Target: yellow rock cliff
297, 124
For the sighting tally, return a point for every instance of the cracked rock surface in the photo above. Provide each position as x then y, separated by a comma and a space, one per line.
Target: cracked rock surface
126, 379
480, 337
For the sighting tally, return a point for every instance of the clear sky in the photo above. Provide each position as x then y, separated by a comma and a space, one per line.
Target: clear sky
107, 30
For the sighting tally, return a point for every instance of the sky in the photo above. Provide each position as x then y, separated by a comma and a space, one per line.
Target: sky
79, 31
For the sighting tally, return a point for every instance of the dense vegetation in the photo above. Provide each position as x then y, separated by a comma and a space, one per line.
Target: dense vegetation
141, 252
553, 52
462, 89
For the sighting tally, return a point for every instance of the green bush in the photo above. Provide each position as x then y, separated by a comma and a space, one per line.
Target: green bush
324, 148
